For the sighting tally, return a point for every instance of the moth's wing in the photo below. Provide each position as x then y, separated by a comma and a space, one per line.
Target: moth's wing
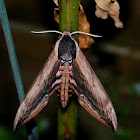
38, 95
91, 94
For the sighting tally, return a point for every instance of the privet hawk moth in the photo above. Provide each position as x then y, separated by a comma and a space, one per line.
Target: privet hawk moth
67, 71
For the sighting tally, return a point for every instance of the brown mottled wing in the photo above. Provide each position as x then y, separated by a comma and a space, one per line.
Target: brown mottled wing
38, 95
91, 94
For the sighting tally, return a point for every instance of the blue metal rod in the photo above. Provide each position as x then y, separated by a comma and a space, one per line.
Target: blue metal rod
14, 62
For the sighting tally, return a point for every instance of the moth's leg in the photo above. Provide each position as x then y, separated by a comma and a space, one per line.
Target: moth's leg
55, 89
59, 73
57, 82
72, 81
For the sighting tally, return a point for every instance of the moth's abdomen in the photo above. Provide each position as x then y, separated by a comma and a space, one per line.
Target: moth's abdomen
65, 85
64, 80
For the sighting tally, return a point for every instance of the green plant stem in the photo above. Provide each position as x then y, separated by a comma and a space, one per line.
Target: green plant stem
68, 15
67, 122
14, 63
67, 118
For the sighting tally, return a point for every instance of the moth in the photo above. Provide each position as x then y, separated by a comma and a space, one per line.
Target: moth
66, 71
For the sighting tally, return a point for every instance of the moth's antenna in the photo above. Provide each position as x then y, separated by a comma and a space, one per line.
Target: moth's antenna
49, 31
77, 32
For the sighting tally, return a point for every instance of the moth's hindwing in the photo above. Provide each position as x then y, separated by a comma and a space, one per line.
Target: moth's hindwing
91, 94
38, 95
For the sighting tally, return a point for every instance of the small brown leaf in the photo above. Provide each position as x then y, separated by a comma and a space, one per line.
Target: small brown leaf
111, 8
84, 40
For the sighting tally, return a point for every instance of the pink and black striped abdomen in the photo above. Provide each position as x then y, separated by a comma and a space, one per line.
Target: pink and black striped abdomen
64, 79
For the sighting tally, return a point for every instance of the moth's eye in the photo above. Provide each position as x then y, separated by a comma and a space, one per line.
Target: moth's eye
70, 61
62, 61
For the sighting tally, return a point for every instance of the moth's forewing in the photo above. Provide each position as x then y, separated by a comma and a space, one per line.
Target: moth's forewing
38, 95
91, 94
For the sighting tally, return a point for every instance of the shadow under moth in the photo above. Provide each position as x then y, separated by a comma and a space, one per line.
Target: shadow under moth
67, 71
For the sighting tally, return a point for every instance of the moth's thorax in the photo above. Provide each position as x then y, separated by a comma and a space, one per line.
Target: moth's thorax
66, 49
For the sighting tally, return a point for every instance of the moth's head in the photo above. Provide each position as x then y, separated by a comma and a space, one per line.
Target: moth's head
66, 44
67, 48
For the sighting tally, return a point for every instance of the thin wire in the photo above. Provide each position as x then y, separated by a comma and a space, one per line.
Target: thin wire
85, 33
49, 31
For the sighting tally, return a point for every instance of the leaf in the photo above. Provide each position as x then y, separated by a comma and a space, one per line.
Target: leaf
84, 40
